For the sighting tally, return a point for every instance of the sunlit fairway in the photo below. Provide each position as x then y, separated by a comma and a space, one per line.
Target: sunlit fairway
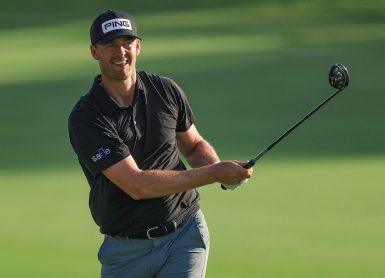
309, 218
314, 207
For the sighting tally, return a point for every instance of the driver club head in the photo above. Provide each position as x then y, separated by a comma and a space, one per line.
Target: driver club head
339, 76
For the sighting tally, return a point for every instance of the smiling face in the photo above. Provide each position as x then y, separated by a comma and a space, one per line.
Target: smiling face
117, 59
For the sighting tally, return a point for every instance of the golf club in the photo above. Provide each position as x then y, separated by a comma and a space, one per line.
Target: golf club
339, 79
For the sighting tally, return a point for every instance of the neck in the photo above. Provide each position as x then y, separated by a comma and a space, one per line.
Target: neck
122, 91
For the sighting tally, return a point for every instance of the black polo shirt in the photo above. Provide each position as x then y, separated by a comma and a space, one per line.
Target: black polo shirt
102, 134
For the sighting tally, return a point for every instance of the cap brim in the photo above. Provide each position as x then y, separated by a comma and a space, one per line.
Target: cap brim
111, 37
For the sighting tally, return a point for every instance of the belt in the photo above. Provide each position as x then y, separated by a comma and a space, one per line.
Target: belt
168, 228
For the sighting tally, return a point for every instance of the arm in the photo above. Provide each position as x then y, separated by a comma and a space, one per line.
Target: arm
144, 184
197, 151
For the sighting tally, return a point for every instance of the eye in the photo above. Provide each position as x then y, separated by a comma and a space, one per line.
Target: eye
128, 43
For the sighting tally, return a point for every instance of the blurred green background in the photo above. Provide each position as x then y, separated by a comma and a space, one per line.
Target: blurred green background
314, 207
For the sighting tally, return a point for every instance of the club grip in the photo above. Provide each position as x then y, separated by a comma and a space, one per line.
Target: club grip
248, 165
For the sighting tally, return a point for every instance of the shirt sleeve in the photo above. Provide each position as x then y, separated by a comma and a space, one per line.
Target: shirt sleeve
185, 114
95, 141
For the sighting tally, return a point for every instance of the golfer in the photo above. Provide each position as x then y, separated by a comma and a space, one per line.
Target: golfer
127, 133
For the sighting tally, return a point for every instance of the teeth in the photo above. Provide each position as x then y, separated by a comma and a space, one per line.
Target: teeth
119, 63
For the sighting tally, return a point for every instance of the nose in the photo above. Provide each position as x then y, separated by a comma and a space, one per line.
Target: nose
120, 50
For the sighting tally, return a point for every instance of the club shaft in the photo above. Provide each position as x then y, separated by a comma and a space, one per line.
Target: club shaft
252, 161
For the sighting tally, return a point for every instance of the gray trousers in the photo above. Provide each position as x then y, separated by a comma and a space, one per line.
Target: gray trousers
180, 254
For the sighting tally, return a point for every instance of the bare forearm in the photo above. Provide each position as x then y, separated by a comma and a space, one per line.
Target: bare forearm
158, 183
197, 151
202, 154
145, 184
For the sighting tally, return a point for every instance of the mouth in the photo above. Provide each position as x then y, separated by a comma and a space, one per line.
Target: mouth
120, 63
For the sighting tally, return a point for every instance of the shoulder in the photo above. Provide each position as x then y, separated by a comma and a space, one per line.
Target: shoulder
83, 110
158, 81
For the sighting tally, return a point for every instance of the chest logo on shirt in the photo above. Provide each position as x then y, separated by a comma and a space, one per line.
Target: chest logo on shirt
101, 153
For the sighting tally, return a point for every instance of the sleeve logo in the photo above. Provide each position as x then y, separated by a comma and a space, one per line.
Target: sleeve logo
101, 153
116, 24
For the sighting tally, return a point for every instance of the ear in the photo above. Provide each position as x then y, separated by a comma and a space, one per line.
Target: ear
137, 47
94, 51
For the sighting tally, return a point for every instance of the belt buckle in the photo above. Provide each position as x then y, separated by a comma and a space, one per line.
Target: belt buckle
148, 232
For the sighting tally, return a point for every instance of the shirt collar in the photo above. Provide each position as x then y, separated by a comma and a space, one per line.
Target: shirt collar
107, 104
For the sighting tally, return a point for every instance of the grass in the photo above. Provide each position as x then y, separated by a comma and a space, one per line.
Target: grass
250, 69
301, 222
47, 229
290, 220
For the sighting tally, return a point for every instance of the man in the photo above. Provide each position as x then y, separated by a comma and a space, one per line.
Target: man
126, 133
